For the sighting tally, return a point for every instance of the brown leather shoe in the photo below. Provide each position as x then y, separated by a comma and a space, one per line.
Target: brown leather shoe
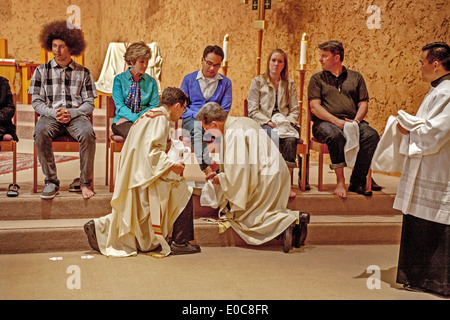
89, 229
301, 230
359, 190
184, 248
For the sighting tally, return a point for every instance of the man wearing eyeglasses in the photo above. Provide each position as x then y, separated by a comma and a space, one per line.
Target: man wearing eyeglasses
202, 86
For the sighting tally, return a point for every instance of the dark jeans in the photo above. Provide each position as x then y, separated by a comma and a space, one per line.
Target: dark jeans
287, 146
329, 133
183, 228
79, 128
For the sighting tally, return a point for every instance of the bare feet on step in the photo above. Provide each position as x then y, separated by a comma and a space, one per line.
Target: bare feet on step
87, 192
341, 190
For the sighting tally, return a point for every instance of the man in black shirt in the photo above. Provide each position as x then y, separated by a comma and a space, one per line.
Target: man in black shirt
338, 95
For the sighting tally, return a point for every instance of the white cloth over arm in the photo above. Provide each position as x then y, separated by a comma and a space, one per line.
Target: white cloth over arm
115, 63
393, 146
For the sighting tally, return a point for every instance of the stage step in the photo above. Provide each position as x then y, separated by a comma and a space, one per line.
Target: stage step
69, 205
56, 235
30, 224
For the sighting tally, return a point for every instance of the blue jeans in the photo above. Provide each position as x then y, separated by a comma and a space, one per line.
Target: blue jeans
79, 128
329, 133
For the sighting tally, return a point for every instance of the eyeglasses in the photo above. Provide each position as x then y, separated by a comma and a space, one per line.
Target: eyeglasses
210, 64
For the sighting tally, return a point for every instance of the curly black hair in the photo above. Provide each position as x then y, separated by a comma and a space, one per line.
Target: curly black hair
63, 30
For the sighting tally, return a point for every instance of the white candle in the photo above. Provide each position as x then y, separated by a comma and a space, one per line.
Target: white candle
225, 48
303, 45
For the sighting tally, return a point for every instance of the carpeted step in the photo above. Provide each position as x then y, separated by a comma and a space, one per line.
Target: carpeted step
69, 205
30, 236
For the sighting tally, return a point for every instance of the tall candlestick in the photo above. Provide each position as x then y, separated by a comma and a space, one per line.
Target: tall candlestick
225, 48
303, 46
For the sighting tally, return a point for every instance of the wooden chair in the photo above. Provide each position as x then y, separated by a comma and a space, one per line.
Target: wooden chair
114, 143
9, 145
302, 150
322, 149
64, 143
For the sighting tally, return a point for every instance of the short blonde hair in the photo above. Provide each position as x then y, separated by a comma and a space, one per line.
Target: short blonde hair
137, 50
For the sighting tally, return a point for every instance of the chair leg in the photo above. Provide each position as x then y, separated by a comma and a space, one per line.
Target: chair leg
106, 162
14, 147
111, 168
320, 173
34, 170
304, 172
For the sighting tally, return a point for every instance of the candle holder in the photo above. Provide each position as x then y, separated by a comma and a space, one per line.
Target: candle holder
224, 68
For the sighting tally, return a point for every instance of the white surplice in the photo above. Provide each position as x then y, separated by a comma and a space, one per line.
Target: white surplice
255, 180
145, 203
424, 188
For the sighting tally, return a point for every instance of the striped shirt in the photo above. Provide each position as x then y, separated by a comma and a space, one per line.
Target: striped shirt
54, 87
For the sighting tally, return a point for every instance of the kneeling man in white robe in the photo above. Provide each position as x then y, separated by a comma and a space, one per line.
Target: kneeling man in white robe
147, 203
253, 182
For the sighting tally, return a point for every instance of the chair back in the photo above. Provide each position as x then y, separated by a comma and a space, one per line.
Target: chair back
110, 113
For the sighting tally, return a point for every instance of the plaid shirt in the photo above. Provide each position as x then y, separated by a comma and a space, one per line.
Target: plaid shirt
54, 87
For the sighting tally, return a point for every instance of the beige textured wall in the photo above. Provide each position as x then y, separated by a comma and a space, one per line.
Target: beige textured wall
387, 57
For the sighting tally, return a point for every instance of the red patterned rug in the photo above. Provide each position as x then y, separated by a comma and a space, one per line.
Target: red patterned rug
24, 161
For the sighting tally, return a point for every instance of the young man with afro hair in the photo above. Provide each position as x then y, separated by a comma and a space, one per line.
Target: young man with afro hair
63, 94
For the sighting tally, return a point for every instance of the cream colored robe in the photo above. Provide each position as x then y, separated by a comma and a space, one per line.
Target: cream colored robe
255, 180
424, 188
145, 204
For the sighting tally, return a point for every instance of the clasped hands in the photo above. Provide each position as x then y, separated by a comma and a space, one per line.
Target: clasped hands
63, 115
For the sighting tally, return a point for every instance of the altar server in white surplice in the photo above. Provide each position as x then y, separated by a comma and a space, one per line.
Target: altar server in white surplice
254, 179
423, 193
147, 205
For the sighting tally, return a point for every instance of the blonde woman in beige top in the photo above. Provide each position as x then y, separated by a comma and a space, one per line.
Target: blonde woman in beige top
274, 92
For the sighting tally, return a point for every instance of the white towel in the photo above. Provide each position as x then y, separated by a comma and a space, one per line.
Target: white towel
284, 127
394, 146
177, 152
212, 195
387, 156
351, 147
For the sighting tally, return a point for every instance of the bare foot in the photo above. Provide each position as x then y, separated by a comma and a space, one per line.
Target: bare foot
292, 194
341, 190
87, 192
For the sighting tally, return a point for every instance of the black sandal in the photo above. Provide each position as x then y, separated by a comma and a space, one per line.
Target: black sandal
13, 190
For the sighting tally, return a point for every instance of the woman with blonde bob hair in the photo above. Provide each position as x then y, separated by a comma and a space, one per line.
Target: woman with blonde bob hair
273, 95
134, 91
